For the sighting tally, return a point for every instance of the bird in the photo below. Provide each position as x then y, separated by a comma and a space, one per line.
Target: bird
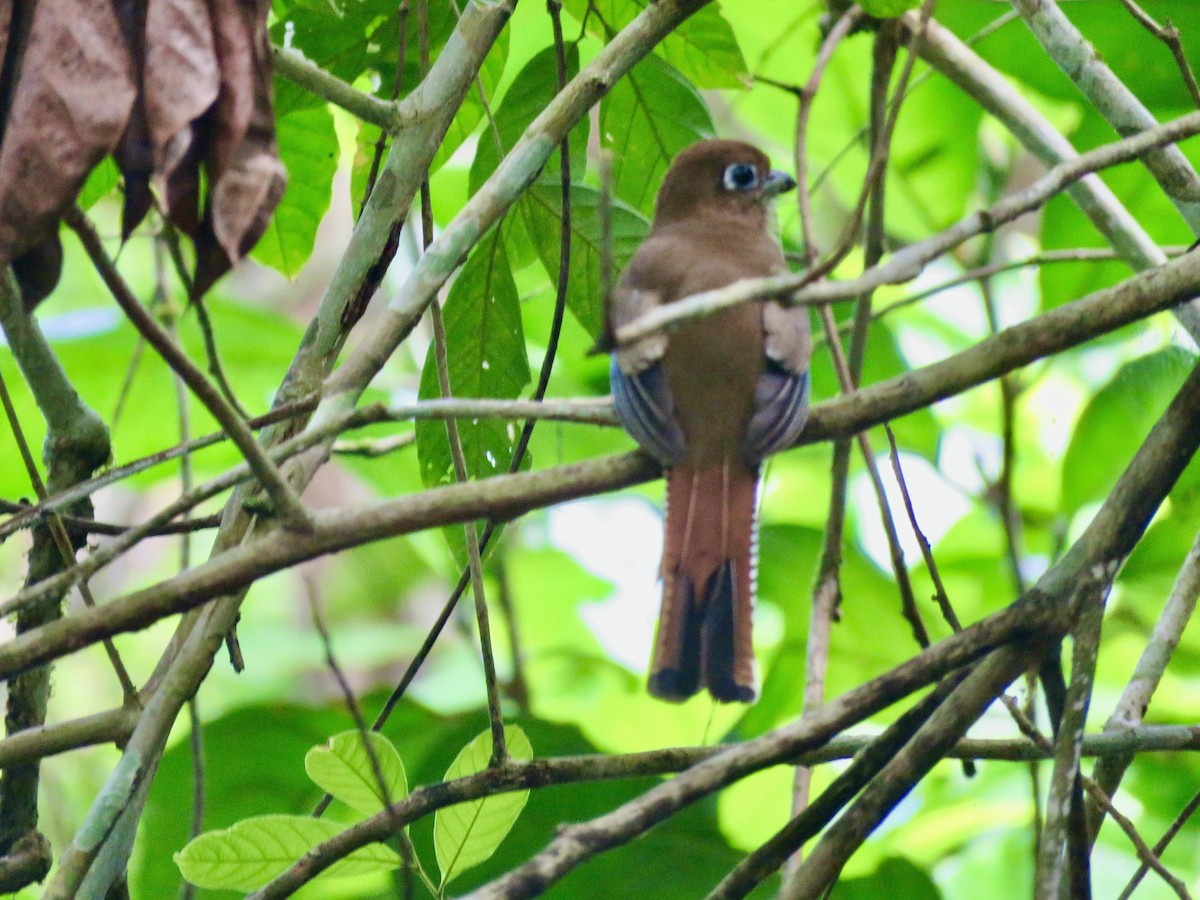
710, 400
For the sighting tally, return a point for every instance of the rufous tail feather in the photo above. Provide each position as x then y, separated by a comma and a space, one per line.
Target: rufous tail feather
705, 633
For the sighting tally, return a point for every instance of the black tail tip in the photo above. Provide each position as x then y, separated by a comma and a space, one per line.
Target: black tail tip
672, 685
675, 686
732, 692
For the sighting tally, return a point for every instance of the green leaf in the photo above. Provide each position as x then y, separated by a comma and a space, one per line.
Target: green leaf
705, 50
1133, 53
252, 852
351, 38
1116, 421
343, 768
896, 877
308, 147
648, 117
485, 351
888, 9
466, 834
703, 47
99, 183
531, 90
541, 208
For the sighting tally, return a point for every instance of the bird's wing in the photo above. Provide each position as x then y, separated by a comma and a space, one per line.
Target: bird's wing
628, 305
641, 396
782, 393
643, 404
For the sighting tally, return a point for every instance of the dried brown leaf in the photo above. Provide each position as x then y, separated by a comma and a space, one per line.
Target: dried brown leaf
6, 15
181, 83
69, 109
134, 153
246, 178
37, 270
243, 54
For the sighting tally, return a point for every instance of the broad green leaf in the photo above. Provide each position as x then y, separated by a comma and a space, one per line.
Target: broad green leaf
541, 208
703, 47
1138, 58
250, 751
1116, 421
648, 117
526, 97
351, 38
533, 88
706, 51
252, 852
343, 768
896, 877
99, 183
485, 350
308, 147
466, 834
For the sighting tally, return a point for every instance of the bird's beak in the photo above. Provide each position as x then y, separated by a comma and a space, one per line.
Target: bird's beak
777, 183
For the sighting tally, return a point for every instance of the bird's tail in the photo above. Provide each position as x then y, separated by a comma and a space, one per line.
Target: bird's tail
704, 629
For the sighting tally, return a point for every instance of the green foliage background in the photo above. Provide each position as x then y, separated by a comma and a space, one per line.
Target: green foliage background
1079, 419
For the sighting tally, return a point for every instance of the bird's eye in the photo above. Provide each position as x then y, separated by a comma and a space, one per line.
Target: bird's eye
741, 177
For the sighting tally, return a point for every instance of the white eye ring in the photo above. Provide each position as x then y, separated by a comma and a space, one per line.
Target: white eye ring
740, 177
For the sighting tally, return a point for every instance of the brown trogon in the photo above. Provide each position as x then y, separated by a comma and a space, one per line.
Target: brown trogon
710, 400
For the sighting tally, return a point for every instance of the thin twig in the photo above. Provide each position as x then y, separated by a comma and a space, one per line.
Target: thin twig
401, 839
947, 723
522, 445
1169, 35
939, 589
588, 411
1135, 699
1059, 833
286, 503
807, 822
1172, 830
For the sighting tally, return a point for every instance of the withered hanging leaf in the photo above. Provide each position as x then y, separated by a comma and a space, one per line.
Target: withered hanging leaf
38, 269
166, 86
135, 158
181, 81
246, 178
6, 17
243, 55
181, 188
134, 153
240, 207
68, 111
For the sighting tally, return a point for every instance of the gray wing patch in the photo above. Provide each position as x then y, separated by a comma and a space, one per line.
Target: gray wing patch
782, 394
644, 406
780, 411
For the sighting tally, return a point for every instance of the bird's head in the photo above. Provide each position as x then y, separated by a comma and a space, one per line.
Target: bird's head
718, 177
